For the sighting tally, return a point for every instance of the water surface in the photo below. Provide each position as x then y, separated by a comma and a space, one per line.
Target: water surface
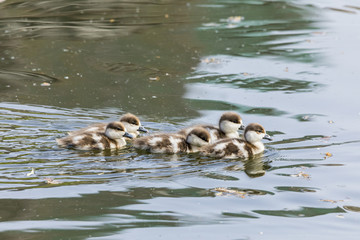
290, 65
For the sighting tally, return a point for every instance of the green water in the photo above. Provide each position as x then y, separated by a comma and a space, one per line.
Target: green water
290, 65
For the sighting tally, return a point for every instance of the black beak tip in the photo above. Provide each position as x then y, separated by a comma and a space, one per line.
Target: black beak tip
142, 129
128, 135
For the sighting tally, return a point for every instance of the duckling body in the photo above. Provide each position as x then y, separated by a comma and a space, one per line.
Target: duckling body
229, 124
174, 143
131, 122
239, 148
111, 138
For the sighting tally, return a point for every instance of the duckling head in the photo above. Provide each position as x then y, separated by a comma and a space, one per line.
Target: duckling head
116, 130
132, 124
198, 137
230, 122
254, 132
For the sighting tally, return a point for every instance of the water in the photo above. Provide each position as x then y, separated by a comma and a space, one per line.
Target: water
290, 65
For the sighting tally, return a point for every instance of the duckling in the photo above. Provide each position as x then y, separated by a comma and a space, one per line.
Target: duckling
111, 138
229, 124
131, 122
239, 148
174, 143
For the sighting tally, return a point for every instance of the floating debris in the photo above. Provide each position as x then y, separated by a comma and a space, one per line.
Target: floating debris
211, 60
112, 20
352, 208
331, 201
157, 78
327, 155
235, 19
45, 84
31, 173
224, 191
301, 174
51, 181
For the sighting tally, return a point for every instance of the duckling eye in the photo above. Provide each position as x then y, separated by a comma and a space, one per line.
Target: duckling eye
118, 129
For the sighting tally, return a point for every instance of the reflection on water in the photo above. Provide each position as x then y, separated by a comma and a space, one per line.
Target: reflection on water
287, 65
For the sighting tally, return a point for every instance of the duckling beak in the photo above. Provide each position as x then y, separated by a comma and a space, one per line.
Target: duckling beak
242, 127
128, 135
267, 137
142, 129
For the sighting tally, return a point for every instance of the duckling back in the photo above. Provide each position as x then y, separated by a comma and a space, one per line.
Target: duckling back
215, 133
229, 148
88, 141
96, 127
112, 137
131, 122
162, 143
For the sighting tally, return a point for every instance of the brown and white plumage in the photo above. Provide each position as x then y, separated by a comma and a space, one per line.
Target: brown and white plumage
131, 122
229, 124
239, 148
174, 143
111, 138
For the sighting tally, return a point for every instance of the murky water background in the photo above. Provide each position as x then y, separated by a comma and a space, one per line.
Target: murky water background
290, 65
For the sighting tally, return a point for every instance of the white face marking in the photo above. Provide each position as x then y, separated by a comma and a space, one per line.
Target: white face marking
229, 127
114, 134
253, 137
194, 140
131, 128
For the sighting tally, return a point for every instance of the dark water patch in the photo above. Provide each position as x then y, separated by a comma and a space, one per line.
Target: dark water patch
266, 111
240, 215
215, 105
307, 117
178, 63
240, 192
352, 208
303, 212
79, 19
203, 104
220, 177
263, 84
297, 189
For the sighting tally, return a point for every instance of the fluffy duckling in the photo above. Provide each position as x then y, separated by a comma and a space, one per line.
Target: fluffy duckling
239, 148
131, 122
174, 143
229, 124
111, 138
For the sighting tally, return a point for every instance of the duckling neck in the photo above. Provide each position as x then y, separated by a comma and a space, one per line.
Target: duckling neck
193, 148
115, 137
120, 141
232, 135
134, 134
258, 147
